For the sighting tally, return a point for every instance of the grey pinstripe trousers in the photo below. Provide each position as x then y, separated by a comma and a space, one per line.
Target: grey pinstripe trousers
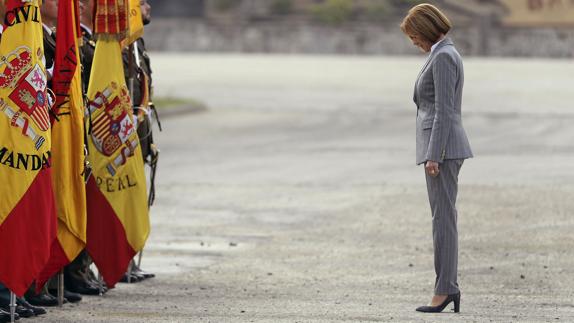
442, 191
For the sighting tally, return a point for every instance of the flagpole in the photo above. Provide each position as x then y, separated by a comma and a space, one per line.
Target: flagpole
131, 85
131, 70
100, 283
61, 288
12, 306
129, 272
140, 258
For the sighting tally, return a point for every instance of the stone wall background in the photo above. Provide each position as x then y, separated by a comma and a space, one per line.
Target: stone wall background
482, 38
352, 27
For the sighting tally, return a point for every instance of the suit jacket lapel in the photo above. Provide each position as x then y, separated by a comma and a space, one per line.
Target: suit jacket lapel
416, 94
444, 42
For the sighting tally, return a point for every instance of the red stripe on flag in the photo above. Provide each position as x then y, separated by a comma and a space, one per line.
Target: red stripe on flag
101, 128
107, 243
27, 234
101, 119
58, 260
42, 118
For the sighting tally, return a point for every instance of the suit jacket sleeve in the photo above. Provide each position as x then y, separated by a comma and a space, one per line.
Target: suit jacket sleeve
445, 78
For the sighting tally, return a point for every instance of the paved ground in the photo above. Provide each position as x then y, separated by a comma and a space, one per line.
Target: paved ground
295, 197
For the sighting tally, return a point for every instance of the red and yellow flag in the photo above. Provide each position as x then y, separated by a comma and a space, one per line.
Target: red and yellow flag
27, 210
67, 145
118, 221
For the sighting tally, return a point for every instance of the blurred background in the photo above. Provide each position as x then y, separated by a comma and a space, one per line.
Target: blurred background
533, 28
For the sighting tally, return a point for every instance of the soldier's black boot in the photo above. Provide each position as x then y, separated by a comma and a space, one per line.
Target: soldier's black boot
37, 310
43, 298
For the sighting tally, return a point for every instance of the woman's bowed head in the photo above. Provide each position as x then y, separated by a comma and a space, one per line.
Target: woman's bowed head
425, 25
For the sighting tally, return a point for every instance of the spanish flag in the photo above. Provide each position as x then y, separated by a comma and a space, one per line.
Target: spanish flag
27, 208
118, 220
67, 145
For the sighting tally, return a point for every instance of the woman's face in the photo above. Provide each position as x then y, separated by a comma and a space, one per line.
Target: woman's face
424, 45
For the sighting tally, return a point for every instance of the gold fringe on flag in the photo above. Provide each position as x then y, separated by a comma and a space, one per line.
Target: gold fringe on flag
111, 19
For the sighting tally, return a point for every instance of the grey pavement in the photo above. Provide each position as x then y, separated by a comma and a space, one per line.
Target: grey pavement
295, 197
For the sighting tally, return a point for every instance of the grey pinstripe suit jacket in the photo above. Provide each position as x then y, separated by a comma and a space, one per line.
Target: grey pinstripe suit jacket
438, 96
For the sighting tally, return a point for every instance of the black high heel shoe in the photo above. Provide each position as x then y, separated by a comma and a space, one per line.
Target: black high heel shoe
455, 298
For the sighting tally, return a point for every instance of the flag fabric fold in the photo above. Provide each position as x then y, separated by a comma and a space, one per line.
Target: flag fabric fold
67, 145
27, 209
118, 220
135, 23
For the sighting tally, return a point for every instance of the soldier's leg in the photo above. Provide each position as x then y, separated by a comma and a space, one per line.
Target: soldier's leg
79, 277
42, 298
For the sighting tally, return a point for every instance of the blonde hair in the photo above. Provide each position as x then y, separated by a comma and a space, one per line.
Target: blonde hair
426, 21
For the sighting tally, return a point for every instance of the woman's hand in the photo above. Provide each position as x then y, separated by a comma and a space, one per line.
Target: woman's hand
431, 168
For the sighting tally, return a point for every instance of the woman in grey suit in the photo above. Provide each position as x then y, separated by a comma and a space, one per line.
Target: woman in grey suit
441, 142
